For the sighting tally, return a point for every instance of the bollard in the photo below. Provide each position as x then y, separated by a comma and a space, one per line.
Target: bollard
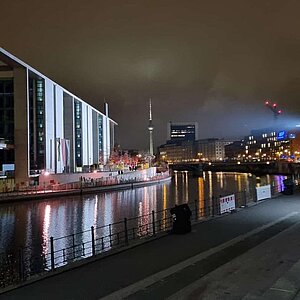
52, 253
153, 222
93, 241
213, 206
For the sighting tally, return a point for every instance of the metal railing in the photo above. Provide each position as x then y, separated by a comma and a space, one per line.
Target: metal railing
57, 252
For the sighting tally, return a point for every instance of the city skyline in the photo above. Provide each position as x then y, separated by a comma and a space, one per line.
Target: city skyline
213, 63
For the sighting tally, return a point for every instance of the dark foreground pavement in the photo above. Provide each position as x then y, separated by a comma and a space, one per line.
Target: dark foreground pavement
251, 254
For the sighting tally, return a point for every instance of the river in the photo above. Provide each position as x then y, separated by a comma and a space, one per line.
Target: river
32, 223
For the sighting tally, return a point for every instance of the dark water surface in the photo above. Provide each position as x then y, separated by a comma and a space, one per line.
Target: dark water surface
32, 223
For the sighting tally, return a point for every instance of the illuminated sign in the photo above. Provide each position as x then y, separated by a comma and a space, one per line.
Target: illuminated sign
292, 135
281, 135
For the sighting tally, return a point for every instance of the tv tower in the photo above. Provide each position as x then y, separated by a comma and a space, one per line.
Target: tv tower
150, 128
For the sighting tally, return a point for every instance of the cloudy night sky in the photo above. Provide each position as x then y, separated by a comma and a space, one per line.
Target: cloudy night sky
214, 62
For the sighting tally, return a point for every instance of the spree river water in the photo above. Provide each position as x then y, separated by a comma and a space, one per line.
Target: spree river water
32, 223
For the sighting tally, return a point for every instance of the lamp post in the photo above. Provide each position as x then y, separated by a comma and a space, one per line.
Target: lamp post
199, 156
46, 174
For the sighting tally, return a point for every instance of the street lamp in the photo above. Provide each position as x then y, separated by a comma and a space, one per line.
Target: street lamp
46, 174
199, 155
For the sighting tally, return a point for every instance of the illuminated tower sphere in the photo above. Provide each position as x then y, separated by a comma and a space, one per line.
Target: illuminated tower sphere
150, 128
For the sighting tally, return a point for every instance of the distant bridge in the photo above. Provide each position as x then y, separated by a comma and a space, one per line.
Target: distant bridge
265, 167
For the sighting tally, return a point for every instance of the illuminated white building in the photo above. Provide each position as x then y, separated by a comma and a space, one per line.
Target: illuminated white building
47, 127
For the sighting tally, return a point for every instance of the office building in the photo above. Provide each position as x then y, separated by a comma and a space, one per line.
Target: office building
182, 131
267, 144
44, 127
211, 149
193, 151
177, 152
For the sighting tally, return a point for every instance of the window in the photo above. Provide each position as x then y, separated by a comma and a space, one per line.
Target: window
9, 88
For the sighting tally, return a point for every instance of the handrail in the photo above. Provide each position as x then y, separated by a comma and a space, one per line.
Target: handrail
59, 251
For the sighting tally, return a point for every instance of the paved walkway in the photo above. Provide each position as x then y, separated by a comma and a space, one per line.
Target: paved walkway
258, 248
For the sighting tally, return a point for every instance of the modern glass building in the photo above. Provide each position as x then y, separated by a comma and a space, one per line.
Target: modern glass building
180, 131
44, 127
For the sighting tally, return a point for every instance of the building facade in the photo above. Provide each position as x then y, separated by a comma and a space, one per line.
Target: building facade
182, 131
193, 151
267, 144
46, 128
177, 152
211, 149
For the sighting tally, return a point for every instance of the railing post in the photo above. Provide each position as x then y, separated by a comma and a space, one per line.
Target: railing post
126, 231
21, 264
196, 211
245, 198
93, 241
110, 241
83, 250
153, 222
102, 243
52, 253
217, 204
73, 245
213, 206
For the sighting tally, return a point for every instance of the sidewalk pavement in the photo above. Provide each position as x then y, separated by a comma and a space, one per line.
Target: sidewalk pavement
166, 265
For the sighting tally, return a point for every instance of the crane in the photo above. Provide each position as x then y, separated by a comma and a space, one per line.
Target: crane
273, 108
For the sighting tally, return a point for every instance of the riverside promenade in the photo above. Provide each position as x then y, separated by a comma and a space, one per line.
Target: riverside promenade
251, 254
86, 187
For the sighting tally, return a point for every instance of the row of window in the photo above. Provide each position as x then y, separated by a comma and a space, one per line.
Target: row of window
6, 86
78, 133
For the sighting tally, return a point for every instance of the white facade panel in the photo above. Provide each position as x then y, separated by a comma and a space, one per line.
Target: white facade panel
59, 128
84, 135
104, 128
49, 127
107, 137
90, 135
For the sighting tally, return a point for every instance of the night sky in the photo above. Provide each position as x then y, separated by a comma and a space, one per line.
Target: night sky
214, 62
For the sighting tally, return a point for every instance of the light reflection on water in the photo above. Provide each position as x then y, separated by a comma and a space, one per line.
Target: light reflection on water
32, 223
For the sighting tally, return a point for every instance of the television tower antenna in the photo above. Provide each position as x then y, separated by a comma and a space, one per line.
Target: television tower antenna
150, 128
273, 108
